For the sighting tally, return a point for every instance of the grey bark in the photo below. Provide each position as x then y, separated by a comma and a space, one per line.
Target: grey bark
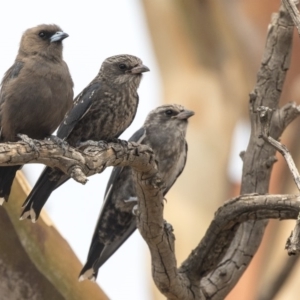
220, 259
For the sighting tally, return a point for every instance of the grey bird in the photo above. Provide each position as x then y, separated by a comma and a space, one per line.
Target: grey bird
36, 92
164, 131
102, 111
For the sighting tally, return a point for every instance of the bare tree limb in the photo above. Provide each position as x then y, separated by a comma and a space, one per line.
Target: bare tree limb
259, 156
93, 159
256, 207
287, 156
234, 235
174, 283
293, 242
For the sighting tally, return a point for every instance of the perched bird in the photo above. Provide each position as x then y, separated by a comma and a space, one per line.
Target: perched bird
164, 131
36, 92
102, 111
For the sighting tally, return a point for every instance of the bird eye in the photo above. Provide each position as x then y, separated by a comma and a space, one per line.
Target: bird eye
169, 112
122, 66
42, 34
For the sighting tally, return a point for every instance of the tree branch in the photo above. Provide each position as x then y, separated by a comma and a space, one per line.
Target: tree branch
293, 11
259, 156
234, 235
93, 158
174, 283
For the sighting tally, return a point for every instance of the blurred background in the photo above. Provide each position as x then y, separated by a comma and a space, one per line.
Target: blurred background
203, 54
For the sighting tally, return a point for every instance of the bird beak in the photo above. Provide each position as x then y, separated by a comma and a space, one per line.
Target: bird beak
139, 69
184, 115
58, 36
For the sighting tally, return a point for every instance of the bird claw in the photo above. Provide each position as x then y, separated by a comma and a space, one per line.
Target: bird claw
60, 142
26, 139
83, 145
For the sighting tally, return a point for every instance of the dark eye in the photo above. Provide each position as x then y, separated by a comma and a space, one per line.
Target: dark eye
169, 112
42, 34
122, 66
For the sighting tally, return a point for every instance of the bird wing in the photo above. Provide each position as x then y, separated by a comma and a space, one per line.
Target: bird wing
110, 249
179, 168
137, 137
81, 106
10, 74
98, 252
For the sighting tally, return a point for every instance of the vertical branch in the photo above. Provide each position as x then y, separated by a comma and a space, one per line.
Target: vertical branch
259, 156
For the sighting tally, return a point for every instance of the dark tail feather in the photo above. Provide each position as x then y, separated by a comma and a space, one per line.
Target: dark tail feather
7, 175
38, 196
99, 254
88, 271
110, 249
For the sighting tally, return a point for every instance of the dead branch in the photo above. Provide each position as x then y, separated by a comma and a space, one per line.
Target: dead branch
293, 242
259, 156
234, 235
293, 11
79, 164
174, 283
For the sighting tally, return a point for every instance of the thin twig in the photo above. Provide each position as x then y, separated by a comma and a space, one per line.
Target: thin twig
291, 7
293, 243
287, 156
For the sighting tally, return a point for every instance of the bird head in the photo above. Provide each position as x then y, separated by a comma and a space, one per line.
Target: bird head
43, 40
167, 116
122, 69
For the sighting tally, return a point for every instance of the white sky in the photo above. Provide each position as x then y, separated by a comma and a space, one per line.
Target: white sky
97, 29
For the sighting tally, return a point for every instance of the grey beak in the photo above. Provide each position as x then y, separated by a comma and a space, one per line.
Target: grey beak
58, 36
140, 69
184, 115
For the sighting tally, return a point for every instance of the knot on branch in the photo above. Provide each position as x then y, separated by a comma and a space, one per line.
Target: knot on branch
77, 174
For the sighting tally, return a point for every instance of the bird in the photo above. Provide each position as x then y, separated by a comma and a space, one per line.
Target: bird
102, 111
36, 92
164, 131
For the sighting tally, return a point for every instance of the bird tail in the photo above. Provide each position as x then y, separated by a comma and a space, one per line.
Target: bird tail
100, 253
38, 196
88, 271
7, 175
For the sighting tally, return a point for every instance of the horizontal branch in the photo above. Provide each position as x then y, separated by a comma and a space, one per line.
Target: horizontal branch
248, 207
91, 159
184, 282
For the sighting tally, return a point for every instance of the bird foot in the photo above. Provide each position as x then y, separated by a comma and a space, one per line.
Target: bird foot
25, 138
83, 145
60, 142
